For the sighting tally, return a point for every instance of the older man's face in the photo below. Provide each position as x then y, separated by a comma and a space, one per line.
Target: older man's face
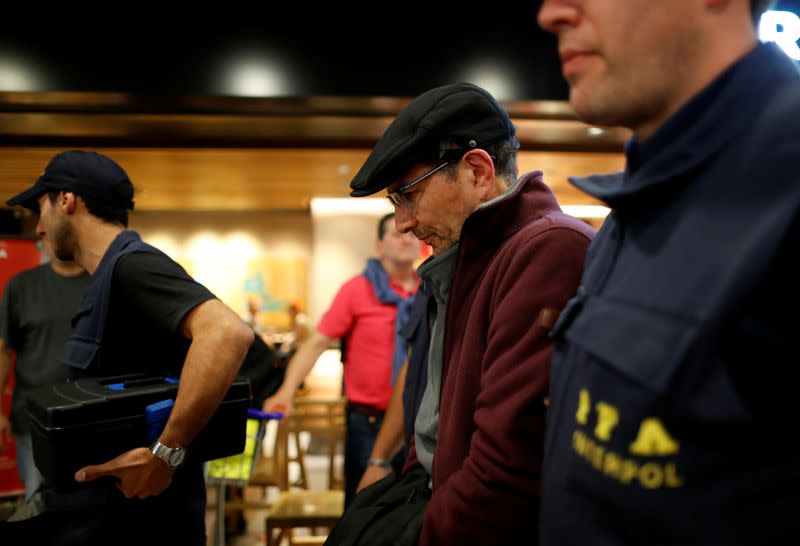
440, 206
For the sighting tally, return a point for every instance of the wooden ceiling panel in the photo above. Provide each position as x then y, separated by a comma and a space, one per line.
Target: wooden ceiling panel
264, 179
223, 153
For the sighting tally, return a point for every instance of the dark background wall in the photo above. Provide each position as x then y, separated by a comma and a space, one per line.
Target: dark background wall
379, 49
325, 50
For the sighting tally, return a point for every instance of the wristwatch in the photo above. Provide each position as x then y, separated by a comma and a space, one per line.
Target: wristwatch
173, 456
383, 463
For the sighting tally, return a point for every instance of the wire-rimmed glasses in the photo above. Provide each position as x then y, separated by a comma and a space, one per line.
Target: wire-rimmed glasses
398, 197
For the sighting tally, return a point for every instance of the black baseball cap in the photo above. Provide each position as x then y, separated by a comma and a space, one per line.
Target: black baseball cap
462, 114
86, 173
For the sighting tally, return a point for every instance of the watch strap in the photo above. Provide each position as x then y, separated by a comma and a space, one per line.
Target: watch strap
383, 463
166, 453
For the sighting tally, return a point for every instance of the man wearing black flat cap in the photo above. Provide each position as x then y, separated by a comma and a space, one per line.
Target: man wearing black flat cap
505, 262
142, 313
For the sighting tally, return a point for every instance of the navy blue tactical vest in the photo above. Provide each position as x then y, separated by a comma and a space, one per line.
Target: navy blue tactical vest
89, 322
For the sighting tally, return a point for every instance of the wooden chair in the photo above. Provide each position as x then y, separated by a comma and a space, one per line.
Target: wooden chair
272, 468
303, 509
323, 418
308, 508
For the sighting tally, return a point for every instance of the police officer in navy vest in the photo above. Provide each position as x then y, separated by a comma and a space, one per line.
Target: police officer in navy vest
142, 313
673, 402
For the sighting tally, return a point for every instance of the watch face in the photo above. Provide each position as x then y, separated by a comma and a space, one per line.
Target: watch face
177, 457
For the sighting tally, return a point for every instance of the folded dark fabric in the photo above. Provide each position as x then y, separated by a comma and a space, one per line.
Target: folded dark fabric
389, 512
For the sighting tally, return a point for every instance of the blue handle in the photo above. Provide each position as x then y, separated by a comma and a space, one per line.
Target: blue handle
265, 415
157, 415
141, 382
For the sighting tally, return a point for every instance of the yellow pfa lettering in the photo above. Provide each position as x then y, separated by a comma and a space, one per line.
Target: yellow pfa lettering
612, 466
598, 453
671, 477
579, 442
607, 419
653, 439
649, 474
628, 471
584, 406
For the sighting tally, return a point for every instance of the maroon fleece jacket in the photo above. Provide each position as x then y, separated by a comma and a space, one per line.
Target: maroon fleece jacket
518, 259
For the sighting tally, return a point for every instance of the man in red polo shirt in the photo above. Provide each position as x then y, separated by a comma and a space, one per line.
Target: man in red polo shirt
366, 313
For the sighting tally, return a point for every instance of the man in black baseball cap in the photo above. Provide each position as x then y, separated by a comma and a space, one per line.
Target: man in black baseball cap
505, 261
89, 174
141, 314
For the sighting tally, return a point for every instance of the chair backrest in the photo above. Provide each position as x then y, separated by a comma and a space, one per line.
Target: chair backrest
324, 418
272, 467
321, 417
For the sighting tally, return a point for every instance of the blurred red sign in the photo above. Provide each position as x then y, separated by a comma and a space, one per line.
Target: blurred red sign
15, 255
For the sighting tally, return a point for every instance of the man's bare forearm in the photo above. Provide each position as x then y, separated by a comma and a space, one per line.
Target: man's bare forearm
220, 340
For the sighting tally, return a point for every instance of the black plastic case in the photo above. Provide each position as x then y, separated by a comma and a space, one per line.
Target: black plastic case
91, 421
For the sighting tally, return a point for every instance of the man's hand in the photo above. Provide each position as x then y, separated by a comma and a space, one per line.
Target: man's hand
281, 401
5, 433
140, 473
372, 474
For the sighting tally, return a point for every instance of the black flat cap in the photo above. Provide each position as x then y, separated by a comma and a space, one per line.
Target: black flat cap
461, 114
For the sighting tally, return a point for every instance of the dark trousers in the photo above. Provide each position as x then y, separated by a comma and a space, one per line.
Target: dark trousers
99, 515
362, 429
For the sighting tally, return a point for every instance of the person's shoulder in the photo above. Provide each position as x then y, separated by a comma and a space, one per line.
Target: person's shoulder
32, 275
133, 262
781, 115
353, 291
563, 221
354, 284
555, 226
554, 239
771, 152
146, 268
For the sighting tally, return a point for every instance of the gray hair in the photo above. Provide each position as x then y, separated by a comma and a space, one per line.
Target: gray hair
504, 154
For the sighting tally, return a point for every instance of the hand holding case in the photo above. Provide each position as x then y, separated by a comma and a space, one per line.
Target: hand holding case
90, 421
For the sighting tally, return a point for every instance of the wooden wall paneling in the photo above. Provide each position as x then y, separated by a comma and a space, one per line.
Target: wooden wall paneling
233, 179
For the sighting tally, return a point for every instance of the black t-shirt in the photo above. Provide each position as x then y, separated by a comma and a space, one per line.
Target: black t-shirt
150, 295
35, 315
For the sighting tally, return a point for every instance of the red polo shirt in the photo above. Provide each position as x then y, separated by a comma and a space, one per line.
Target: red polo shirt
368, 326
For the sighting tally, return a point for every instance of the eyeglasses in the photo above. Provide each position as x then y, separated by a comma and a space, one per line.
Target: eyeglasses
398, 197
